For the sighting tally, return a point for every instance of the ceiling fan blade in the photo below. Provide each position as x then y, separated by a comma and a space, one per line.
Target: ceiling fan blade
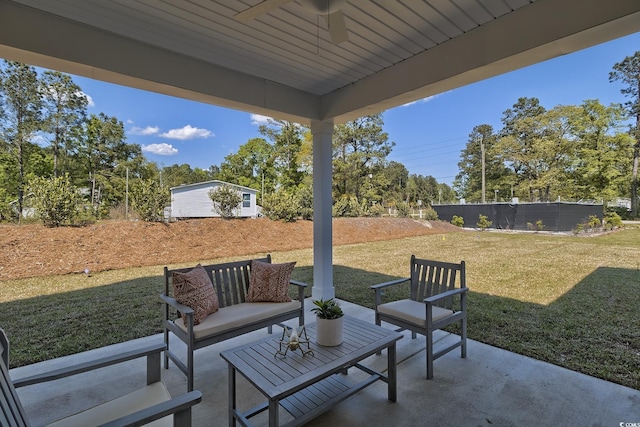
259, 9
337, 27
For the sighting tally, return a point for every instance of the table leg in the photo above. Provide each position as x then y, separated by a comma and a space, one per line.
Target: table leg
232, 395
273, 412
391, 372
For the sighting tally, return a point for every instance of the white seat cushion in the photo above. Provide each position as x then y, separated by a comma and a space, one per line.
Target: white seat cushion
125, 405
412, 311
238, 315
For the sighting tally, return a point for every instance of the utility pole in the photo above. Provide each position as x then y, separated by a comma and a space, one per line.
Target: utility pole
126, 197
483, 173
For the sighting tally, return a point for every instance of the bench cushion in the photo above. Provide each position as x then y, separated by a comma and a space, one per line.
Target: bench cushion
125, 405
412, 311
238, 315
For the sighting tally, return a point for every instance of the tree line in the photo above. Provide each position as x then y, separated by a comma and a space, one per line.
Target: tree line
50, 146
572, 152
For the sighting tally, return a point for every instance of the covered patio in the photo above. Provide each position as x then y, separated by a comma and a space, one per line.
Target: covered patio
490, 387
284, 63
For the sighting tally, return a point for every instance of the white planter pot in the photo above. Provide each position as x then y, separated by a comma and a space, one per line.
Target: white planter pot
329, 332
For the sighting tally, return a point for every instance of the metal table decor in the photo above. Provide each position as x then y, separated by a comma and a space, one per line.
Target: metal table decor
294, 339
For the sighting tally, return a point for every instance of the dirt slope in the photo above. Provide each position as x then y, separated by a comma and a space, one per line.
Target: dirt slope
34, 250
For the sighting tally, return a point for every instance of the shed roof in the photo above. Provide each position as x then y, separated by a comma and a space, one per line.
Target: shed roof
212, 182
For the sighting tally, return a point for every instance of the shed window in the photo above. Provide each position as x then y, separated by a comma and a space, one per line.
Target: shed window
246, 200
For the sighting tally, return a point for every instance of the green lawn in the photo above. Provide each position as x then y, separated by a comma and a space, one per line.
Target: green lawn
572, 301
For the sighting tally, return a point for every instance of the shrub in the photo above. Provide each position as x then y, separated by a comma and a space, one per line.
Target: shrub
305, 201
226, 201
430, 214
347, 206
594, 222
148, 200
458, 221
483, 222
55, 200
613, 220
281, 206
538, 226
376, 210
623, 212
402, 210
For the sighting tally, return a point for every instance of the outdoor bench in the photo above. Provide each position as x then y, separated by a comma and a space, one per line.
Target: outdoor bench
235, 316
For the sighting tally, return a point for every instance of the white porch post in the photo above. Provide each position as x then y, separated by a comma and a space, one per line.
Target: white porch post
322, 132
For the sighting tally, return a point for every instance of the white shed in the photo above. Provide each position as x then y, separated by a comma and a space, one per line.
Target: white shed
193, 201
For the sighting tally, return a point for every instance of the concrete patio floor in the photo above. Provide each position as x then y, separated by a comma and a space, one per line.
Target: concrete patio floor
491, 387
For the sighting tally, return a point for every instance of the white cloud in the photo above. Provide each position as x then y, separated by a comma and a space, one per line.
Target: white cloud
257, 119
422, 101
90, 102
160, 149
187, 132
146, 131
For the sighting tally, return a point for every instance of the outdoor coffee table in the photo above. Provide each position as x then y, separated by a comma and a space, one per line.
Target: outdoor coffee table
307, 386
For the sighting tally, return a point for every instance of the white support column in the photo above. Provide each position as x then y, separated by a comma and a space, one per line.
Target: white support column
322, 210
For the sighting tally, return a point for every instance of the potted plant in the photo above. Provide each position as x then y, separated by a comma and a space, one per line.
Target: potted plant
329, 322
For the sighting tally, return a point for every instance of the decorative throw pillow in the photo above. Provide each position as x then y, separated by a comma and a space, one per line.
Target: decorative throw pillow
269, 282
195, 290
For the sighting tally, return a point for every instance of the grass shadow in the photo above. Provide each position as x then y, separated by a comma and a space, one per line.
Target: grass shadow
55, 325
589, 329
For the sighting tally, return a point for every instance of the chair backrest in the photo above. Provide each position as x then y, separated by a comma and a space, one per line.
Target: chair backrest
11, 411
429, 278
230, 280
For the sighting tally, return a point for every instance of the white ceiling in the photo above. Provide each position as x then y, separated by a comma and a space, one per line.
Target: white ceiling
283, 63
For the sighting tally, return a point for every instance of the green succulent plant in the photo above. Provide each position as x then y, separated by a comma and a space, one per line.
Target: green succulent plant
329, 309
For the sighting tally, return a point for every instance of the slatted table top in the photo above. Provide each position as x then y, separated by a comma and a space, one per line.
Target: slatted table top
278, 377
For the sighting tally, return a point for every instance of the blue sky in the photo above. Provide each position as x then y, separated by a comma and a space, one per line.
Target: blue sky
429, 134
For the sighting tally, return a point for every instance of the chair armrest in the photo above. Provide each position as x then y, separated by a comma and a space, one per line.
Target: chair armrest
160, 410
298, 283
185, 310
389, 283
446, 294
301, 287
89, 366
377, 289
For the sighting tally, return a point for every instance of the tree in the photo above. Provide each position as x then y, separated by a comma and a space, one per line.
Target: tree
628, 72
602, 153
55, 200
360, 148
149, 200
175, 175
386, 183
226, 200
517, 142
481, 149
65, 110
102, 149
21, 101
281, 205
424, 189
286, 157
252, 166
551, 154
